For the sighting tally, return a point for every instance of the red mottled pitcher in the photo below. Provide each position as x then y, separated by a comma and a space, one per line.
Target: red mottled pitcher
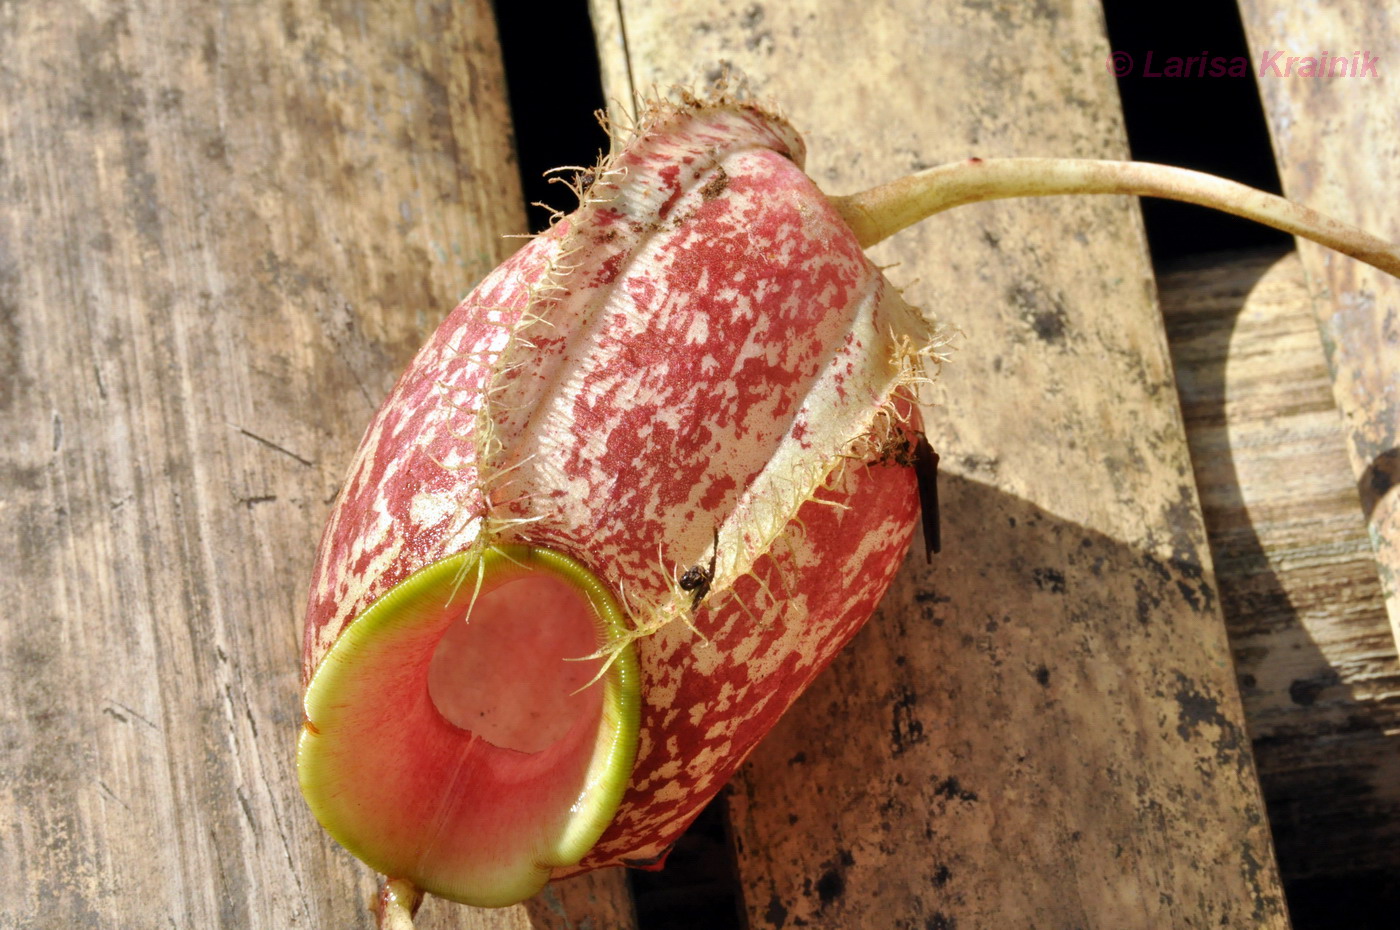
685, 402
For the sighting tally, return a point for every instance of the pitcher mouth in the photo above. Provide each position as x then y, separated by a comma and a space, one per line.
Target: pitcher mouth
453, 737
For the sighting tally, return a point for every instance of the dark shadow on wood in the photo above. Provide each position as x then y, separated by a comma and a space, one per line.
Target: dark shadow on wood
1005, 634
1319, 799
555, 86
1378, 479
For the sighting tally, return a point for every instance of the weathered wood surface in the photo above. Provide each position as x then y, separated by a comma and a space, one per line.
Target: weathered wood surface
1296, 571
1042, 728
224, 228
1335, 140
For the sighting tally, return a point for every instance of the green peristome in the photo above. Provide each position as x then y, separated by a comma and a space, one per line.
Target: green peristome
417, 797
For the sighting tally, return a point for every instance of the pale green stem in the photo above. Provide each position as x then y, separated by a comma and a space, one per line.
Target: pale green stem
397, 903
882, 211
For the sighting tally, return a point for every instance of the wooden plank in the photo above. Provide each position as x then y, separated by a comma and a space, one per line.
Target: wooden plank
224, 228
1296, 570
1335, 139
1042, 728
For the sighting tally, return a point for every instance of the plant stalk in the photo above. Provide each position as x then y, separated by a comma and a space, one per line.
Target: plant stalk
396, 903
882, 211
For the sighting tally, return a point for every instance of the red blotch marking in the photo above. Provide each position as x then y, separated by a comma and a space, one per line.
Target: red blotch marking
720, 489
670, 177
609, 270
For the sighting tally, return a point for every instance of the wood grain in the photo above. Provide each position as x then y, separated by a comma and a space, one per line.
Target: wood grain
1042, 728
1296, 570
224, 228
1335, 140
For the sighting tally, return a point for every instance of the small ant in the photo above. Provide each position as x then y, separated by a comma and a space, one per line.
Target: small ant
698, 579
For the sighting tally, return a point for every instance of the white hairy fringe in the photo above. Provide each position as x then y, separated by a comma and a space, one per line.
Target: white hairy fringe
740, 547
